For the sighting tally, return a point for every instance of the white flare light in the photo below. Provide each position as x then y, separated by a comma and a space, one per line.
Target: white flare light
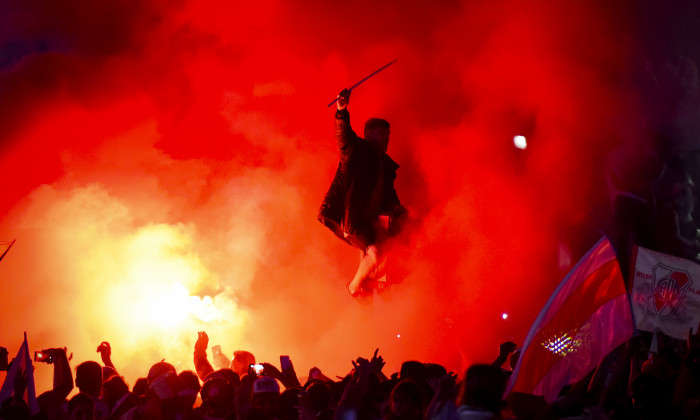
520, 142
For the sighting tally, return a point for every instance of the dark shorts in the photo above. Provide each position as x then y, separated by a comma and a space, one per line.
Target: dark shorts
365, 234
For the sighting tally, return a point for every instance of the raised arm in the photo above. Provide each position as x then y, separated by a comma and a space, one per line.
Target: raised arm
505, 349
356, 387
62, 379
105, 351
201, 363
343, 131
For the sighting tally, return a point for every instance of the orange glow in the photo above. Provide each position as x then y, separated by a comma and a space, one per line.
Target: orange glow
158, 274
163, 166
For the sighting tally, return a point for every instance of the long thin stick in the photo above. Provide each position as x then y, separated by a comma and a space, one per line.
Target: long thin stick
363, 80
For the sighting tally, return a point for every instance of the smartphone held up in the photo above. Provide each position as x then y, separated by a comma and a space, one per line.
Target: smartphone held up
285, 363
258, 369
43, 357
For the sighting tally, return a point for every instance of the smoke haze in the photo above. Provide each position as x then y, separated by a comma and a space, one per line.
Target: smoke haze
163, 164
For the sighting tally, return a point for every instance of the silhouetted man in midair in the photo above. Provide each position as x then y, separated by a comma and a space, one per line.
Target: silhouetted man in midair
361, 202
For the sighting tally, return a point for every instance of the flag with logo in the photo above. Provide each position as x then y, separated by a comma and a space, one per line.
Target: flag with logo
21, 365
665, 293
587, 316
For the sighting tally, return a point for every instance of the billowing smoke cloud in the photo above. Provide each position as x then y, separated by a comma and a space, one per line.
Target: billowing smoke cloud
163, 163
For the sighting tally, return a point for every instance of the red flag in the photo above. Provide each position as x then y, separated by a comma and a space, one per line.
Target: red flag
587, 316
21, 364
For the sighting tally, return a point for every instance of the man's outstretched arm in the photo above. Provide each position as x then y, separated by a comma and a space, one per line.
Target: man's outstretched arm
343, 131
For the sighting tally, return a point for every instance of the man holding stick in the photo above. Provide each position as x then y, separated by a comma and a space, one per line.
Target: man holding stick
362, 207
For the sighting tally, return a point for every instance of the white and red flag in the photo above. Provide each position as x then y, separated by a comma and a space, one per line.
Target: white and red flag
666, 293
21, 365
587, 316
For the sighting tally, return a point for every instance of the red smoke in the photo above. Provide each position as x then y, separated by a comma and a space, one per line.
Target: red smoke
152, 143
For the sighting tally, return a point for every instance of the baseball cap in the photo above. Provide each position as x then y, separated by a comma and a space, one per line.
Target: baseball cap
266, 384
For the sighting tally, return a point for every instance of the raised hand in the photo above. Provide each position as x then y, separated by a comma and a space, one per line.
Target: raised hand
377, 362
288, 377
504, 350
448, 381
362, 366
507, 348
104, 349
54, 354
271, 370
444, 385
343, 99
202, 341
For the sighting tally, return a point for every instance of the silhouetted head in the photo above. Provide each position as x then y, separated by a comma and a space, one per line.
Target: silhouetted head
159, 369
413, 369
228, 374
190, 379
434, 370
648, 393
81, 407
377, 133
141, 387
218, 397
88, 378
483, 387
406, 400
266, 394
108, 372
191, 386
113, 389
319, 395
286, 405
241, 361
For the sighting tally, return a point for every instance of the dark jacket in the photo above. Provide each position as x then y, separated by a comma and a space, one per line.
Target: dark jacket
362, 188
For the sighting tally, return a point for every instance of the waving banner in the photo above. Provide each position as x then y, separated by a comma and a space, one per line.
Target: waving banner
666, 293
586, 317
21, 365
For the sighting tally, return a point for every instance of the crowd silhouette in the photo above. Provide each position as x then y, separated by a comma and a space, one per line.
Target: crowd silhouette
631, 383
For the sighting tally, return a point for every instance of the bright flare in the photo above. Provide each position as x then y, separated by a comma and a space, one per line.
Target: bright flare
154, 291
520, 142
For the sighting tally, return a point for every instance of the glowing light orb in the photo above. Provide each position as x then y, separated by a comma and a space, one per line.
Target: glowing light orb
504, 316
520, 142
398, 335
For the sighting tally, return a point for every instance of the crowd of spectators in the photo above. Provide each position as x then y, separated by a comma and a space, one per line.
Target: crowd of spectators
631, 383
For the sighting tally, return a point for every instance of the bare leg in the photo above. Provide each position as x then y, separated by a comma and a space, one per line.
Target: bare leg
368, 264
